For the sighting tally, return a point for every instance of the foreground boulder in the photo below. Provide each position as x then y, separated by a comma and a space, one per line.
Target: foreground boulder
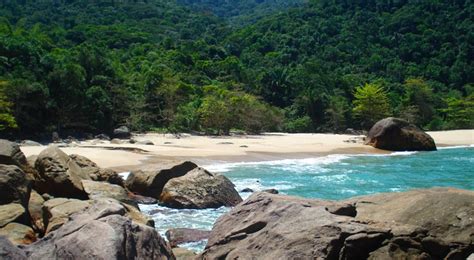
282, 227
57, 211
14, 185
101, 231
35, 209
396, 134
151, 183
13, 212
10, 154
9, 251
18, 234
95, 172
97, 190
60, 175
199, 189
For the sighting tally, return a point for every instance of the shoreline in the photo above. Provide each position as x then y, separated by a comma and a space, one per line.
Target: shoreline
206, 150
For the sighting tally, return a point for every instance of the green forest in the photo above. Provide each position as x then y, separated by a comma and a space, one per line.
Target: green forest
187, 65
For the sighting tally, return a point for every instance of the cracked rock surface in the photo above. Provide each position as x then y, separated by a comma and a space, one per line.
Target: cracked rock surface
418, 224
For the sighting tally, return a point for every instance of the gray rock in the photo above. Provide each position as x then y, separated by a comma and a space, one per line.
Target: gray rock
55, 137
58, 211
151, 183
272, 191
97, 190
142, 199
396, 134
145, 142
122, 133
95, 172
14, 186
18, 234
116, 141
199, 189
178, 236
10, 154
101, 232
35, 209
420, 224
12, 213
102, 137
9, 251
60, 175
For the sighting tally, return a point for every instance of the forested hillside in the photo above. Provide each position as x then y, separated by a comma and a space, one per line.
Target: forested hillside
89, 66
242, 12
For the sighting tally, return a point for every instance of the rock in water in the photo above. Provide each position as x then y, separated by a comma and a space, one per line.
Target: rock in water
14, 187
178, 236
95, 172
122, 133
199, 189
420, 224
151, 183
101, 232
396, 134
60, 175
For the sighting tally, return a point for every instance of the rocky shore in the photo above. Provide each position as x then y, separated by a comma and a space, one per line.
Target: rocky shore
60, 206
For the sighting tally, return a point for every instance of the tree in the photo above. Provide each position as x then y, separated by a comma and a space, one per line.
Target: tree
7, 120
370, 104
418, 101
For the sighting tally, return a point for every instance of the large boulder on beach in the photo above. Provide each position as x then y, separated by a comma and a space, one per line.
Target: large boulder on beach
385, 226
60, 175
10, 154
101, 231
122, 133
14, 185
395, 134
199, 189
151, 183
95, 172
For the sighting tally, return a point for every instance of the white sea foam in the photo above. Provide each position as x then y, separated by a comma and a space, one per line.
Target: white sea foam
456, 147
287, 164
124, 175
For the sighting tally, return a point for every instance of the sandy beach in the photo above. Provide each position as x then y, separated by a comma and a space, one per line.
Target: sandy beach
210, 149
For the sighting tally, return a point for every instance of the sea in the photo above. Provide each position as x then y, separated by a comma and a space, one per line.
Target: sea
334, 177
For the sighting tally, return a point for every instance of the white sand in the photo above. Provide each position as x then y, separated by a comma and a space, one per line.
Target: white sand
239, 148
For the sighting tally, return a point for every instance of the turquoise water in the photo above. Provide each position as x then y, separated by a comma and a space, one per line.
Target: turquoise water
331, 177
343, 176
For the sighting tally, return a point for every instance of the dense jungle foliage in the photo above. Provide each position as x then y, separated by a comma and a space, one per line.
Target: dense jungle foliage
326, 65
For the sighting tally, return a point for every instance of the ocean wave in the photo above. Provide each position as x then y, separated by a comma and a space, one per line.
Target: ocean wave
323, 160
456, 147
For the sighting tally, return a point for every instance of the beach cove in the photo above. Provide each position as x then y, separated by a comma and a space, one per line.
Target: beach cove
323, 166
